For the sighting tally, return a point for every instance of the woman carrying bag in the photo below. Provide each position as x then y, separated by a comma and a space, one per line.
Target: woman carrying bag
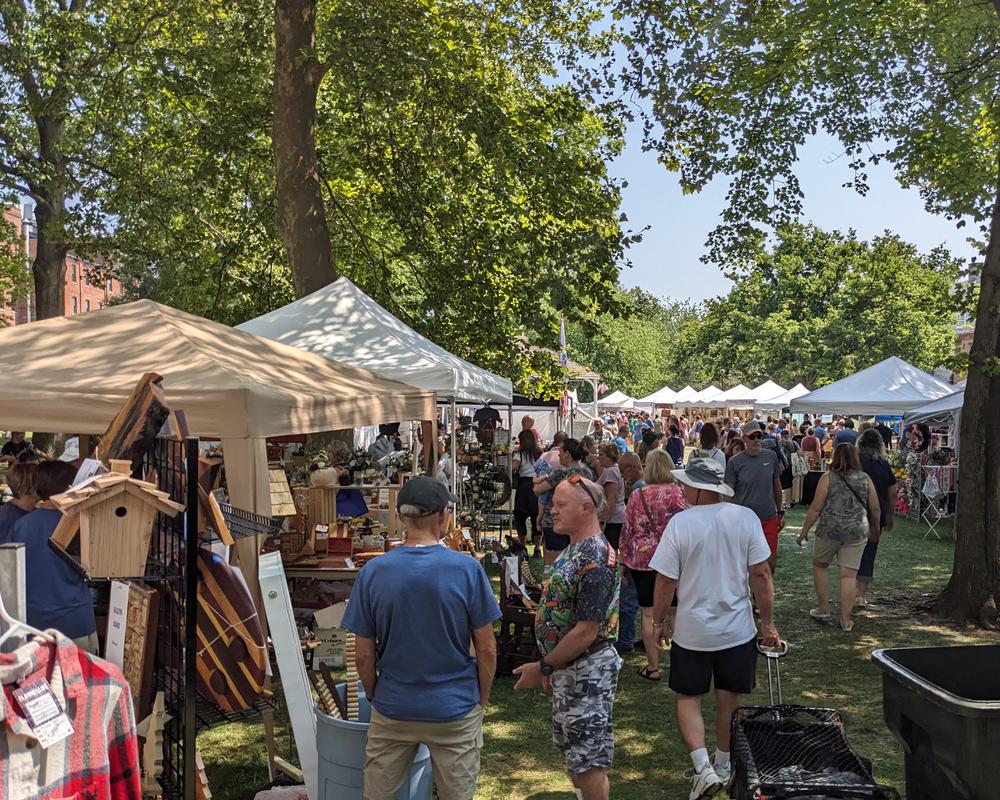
847, 510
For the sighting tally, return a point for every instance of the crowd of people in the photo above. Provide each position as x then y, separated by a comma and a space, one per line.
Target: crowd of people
654, 532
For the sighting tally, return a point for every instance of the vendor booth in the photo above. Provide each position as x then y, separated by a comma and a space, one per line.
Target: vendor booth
893, 386
74, 373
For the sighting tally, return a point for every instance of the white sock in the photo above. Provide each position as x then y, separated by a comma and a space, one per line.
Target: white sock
699, 758
721, 759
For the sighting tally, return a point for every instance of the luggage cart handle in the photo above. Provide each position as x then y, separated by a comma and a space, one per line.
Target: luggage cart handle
773, 656
769, 652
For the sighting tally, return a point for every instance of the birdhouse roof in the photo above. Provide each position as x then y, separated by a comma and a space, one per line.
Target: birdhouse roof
105, 487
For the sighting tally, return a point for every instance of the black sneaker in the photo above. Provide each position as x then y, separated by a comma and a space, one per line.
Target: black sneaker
624, 649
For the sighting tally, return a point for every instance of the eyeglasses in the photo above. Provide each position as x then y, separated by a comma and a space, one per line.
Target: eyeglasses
576, 479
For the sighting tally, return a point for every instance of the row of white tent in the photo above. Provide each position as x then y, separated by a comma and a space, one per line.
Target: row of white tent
769, 395
891, 387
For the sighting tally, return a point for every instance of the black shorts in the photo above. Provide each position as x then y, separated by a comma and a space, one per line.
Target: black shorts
554, 541
645, 583
733, 670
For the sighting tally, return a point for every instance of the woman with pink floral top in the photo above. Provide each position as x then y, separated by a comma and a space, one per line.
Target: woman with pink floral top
648, 511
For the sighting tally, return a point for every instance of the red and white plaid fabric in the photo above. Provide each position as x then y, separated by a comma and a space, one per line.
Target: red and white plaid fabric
100, 760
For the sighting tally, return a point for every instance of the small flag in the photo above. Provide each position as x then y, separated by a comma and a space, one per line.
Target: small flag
563, 357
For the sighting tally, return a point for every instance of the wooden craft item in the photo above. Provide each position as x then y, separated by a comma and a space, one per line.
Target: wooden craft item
140, 644
332, 683
152, 749
232, 652
282, 503
353, 711
325, 695
210, 516
201, 790
134, 428
321, 506
321, 539
115, 516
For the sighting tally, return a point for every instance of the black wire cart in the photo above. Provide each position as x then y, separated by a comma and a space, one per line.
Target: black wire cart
782, 752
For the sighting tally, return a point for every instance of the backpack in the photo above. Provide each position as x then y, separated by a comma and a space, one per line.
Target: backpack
773, 444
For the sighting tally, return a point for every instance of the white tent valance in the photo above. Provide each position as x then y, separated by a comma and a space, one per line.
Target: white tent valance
892, 386
342, 323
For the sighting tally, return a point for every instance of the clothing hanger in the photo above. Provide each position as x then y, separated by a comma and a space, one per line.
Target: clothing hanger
15, 626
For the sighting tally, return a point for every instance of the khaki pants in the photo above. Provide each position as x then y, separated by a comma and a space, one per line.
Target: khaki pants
454, 747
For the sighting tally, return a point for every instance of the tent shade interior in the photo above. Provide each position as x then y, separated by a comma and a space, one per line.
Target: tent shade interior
892, 386
342, 323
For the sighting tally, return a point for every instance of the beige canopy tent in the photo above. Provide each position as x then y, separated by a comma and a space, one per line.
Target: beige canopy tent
72, 374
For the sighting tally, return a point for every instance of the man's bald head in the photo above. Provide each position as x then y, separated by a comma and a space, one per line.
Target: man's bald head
576, 506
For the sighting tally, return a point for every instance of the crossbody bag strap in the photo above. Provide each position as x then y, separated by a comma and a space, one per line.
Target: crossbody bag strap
645, 505
854, 491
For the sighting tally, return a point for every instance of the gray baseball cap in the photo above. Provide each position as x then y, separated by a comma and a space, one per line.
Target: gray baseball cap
706, 474
427, 494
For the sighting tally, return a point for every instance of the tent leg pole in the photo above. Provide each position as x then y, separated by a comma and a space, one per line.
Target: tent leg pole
454, 460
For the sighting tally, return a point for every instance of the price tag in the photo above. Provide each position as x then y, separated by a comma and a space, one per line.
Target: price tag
43, 713
349, 562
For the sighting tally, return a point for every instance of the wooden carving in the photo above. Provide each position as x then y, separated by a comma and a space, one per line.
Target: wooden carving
140, 644
133, 430
232, 655
201, 790
152, 749
332, 683
325, 695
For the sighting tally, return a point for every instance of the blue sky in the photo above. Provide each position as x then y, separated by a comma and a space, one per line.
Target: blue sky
666, 261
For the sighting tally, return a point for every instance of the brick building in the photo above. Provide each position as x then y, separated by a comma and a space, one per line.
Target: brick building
85, 291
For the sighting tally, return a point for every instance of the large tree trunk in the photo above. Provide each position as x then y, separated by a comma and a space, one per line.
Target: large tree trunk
49, 267
974, 588
301, 214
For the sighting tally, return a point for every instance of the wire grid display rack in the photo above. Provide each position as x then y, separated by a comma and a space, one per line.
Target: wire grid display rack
171, 563
789, 752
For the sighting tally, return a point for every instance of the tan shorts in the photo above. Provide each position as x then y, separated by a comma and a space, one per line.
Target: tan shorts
454, 748
848, 554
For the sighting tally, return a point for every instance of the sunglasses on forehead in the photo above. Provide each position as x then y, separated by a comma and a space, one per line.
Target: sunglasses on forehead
576, 479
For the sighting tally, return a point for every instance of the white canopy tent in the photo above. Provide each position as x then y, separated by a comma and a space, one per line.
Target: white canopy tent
616, 400
661, 397
781, 401
74, 373
739, 396
343, 324
766, 391
684, 395
893, 386
949, 406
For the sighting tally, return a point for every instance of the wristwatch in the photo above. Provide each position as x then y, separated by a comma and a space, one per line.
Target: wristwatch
545, 667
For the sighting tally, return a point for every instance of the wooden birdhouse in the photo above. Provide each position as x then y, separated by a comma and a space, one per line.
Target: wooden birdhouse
114, 515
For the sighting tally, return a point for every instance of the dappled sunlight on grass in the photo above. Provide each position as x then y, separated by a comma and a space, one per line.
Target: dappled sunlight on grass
825, 667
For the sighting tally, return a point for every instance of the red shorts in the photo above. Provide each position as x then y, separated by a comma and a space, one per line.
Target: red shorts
770, 527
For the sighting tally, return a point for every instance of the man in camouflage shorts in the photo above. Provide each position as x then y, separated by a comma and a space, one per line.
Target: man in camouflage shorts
576, 627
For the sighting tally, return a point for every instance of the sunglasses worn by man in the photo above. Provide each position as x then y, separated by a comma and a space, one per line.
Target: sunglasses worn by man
576, 479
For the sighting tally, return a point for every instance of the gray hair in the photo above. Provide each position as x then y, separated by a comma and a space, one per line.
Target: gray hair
870, 443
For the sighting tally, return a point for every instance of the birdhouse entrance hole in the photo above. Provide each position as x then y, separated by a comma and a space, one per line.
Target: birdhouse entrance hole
121, 511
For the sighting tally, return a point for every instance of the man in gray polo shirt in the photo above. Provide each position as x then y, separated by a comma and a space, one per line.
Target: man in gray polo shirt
755, 477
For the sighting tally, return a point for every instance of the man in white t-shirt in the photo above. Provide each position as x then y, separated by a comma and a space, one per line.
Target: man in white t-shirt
706, 556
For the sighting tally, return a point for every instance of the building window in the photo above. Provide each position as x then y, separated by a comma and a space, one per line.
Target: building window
75, 309
72, 272
111, 286
86, 305
83, 277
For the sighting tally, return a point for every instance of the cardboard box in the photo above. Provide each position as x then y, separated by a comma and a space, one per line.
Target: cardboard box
332, 647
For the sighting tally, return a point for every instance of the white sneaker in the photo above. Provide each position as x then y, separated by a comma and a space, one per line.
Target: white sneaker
703, 784
725, 775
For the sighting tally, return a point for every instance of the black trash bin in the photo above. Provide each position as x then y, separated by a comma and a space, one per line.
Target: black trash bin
943, 705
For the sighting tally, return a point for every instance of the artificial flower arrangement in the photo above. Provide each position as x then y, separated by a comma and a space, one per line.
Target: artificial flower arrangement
359, 460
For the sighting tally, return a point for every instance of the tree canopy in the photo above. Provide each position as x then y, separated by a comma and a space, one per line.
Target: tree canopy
819, 306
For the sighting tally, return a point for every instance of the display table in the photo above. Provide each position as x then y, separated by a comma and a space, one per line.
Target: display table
322, 573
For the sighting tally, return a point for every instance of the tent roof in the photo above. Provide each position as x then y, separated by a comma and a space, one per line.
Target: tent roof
893, 386
767, 390
783, 400
685, 394
74, 373
616, 400
343, 324
664, 397
938, 409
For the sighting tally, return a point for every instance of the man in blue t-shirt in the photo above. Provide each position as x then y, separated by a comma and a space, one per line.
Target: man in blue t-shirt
847, 434
416, 610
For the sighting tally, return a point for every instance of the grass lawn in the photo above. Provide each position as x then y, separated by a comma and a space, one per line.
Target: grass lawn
824, 667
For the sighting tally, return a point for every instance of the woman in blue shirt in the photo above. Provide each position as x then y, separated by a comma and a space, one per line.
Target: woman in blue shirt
56, 595
675, 446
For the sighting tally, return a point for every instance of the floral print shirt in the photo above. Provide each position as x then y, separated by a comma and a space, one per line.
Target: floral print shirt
642, 531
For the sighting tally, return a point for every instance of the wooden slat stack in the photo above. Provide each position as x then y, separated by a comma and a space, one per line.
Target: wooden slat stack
353, 711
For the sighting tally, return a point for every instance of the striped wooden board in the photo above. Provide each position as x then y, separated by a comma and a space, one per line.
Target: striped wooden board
232, 654
353, 711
